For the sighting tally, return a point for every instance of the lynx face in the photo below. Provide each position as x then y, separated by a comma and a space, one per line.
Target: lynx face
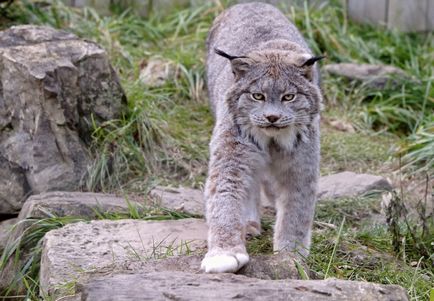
277, 92
272, 105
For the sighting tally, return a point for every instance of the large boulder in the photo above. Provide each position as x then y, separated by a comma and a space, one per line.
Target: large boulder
53, 88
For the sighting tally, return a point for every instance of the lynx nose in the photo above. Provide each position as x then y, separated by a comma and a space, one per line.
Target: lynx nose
272, 118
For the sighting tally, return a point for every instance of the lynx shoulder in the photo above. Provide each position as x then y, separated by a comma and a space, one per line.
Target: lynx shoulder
263, 86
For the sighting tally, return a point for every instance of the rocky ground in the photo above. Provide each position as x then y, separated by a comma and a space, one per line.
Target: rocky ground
123, 259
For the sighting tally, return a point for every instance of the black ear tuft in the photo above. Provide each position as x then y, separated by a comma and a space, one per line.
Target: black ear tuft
312, 61
225, 55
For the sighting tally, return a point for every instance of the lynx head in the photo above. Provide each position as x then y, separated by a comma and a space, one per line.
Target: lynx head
274, 92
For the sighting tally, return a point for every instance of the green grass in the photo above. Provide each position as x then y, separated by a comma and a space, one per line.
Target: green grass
403, 110
359, 152
365, 250
24, 253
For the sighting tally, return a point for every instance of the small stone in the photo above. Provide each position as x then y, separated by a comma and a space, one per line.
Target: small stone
342, 126
157, 72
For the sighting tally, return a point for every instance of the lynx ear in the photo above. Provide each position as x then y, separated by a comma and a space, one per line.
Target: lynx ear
307, 66
312, 60
240, 64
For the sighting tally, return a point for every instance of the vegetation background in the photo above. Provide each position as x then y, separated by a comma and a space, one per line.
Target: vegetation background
163, 138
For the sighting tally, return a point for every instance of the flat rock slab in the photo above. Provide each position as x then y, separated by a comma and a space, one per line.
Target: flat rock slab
268, 267
188, 286
182, 199
73, 204
83, 204
77, 250
350, 184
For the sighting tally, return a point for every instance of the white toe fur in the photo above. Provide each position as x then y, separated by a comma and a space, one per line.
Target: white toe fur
224, 263
242, 259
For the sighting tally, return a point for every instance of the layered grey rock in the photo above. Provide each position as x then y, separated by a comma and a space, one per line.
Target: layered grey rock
78, 250
375, 76
350, 184
269, 267
58, 204
189, 286
5, 230
53, 86
80, 204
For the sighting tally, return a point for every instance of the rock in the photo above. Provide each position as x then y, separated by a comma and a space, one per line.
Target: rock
77, 250
13, 184
5, 230
276, 266
157, 72
53, 86
182, 199
190, 286
72, 204
350, 184
83, 251
272, 267
376, 76
344, 184
87, 205
341, 125
80, 204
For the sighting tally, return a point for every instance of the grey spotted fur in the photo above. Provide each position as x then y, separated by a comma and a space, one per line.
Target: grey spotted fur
253, 48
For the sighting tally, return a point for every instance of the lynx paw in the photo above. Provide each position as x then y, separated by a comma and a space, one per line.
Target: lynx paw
224, 262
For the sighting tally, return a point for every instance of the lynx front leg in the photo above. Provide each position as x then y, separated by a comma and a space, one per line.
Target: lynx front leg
252, 210
231, 172
295, 211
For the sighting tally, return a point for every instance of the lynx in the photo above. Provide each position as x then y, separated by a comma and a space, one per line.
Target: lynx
264, 90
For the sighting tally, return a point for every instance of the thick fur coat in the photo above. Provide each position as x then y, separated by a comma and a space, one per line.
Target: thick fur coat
264, 91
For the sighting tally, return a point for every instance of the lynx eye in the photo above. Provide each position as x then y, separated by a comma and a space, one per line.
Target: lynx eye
288, 97
257, 96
